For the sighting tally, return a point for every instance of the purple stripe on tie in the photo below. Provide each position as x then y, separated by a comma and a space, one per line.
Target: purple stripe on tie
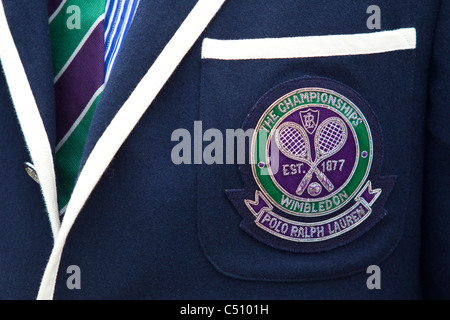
78, 83
52, 5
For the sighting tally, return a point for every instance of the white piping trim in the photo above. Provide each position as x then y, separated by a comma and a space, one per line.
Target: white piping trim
30, 120
122, 125
308, 47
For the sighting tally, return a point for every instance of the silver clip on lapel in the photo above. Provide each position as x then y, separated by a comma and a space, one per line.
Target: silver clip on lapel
29, 168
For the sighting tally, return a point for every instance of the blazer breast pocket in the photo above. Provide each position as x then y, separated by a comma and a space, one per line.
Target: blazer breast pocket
335, 108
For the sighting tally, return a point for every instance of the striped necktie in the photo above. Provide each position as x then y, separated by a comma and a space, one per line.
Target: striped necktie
77, 37
77, 31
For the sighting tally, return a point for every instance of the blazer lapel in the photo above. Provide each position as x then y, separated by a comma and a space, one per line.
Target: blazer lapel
28, 22
125, 119
153, 26
26, 61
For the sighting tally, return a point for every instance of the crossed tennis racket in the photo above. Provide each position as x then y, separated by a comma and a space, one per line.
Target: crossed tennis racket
293, 142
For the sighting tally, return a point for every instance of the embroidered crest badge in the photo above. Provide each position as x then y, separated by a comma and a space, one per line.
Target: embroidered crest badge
313, 181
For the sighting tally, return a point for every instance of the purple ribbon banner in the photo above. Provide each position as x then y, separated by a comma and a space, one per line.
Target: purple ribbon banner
296, 231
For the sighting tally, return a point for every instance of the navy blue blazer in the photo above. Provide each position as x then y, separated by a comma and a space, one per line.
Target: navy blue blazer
156, 229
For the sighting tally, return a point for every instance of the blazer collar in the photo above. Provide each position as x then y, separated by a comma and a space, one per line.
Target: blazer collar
126, 116
28, 22
26, 61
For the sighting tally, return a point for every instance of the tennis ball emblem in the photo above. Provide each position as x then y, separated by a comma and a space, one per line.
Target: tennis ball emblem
315, 158
314, 189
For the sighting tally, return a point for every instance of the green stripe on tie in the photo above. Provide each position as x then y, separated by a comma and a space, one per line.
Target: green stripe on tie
65, 41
